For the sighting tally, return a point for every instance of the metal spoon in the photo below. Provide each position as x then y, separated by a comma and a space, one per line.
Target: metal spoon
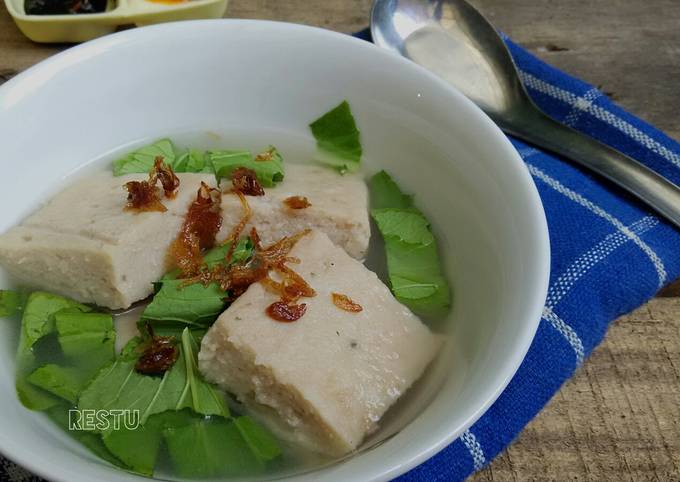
453, 40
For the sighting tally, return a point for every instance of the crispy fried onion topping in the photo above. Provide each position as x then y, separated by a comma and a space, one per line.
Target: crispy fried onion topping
245, 181
201, 224
235, 278
145, 195
297, 202
344, 302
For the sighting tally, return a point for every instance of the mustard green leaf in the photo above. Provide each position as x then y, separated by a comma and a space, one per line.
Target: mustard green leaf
142, 159
338, 139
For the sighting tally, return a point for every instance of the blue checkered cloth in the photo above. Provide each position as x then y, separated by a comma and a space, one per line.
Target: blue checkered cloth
610, 254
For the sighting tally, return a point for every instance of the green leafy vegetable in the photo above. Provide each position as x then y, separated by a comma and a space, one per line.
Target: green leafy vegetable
267, 166
209, 449
36, 323
38, 318
242, 251
64, 382
11, 303
260, 441
33, 397
161, 401
414, 269
202, 397
178, 407
142, 159
121, 387
59, 414
409, 226
174, 406
87, 342
193, 161
193, 304
337, 138
386, 194
137, 448
172, 328
87, 338
413, 262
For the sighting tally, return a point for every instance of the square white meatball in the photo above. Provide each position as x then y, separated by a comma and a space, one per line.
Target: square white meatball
84, 245
339, 208
325, 380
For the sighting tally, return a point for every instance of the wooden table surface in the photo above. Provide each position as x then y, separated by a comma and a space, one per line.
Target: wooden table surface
619, 417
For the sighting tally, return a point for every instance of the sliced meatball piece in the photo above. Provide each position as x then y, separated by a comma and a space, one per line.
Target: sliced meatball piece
325, 380
338, 206
84, 245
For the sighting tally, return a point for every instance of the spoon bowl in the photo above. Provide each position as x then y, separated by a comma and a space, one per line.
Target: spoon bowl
448, 39
453, 40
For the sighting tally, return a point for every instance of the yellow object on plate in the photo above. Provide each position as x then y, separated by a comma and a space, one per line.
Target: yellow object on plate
85, 26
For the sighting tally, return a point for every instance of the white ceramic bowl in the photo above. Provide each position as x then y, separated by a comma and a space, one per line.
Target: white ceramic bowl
255, 83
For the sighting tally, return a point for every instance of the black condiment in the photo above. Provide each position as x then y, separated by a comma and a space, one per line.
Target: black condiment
63, 7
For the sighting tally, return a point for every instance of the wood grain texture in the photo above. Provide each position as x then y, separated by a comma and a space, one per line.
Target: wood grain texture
619, 418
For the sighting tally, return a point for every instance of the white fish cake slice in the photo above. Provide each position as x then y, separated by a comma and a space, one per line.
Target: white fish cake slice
82, 243
339, 208
325, 380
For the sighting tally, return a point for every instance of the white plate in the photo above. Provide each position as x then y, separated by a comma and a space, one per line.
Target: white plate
259, 82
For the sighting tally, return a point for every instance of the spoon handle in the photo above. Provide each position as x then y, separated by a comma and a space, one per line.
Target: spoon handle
655, 190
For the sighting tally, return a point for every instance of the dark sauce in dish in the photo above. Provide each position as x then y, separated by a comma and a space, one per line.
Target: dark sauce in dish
63, 7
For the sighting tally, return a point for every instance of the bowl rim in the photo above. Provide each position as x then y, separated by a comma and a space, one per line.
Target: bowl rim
40, 73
